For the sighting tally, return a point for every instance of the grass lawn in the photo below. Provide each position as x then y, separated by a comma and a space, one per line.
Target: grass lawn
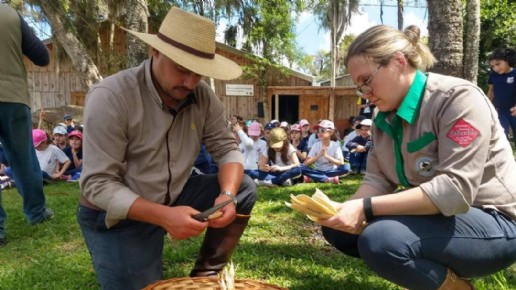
280, 247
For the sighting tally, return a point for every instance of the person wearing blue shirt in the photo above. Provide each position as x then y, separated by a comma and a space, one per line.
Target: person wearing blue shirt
502, 87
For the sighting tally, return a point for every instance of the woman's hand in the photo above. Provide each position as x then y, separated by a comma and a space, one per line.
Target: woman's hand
513, 111
350, 217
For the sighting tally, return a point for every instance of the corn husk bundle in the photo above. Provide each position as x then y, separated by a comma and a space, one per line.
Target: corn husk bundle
318, 206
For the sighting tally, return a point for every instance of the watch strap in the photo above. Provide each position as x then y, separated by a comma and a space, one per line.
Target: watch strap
230, 194
368, 209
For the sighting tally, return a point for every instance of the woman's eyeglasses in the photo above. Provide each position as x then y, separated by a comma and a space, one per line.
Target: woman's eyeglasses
365, 89
323, 130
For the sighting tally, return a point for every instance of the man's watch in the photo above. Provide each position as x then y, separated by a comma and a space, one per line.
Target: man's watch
230, 194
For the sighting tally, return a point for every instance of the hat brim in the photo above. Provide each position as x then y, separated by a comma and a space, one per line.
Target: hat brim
277, 145
319, 126
360, 126
218, 67
252, 133
36, 144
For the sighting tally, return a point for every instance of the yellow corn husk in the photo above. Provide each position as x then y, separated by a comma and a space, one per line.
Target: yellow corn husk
318, 206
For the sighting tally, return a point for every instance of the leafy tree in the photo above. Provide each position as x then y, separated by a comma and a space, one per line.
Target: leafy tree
498, 29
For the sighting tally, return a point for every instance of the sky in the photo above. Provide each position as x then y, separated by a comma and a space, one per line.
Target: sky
312, 40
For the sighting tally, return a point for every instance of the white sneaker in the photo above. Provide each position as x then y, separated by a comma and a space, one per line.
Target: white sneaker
287, 182
264, 183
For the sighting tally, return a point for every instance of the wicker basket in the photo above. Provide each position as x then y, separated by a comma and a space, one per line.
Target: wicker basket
208, 283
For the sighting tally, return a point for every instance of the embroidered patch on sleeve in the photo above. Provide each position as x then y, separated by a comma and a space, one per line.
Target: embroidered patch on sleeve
463, 133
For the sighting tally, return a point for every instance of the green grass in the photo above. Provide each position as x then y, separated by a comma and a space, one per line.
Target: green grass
280, 247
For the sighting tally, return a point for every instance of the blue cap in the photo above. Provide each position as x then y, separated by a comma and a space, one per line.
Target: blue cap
67, 117
269, 126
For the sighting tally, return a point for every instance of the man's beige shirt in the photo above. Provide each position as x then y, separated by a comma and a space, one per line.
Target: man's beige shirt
134, 147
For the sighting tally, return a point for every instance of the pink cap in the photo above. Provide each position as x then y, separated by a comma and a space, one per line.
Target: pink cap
295, 127
284, 124
325, 124
303, 122
75, 133
38, 136
254, 129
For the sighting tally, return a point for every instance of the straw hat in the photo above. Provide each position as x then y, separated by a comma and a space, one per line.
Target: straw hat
189, 40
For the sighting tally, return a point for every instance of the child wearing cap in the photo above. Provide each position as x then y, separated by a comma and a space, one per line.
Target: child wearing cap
74, 153
267, 131
305, 129
52, 160
251, 146
326, 155
355, 132
279, 163
298, 142
59, 133
68, 120
359, 147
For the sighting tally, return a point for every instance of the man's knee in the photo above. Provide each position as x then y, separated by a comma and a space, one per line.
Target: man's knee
246, 195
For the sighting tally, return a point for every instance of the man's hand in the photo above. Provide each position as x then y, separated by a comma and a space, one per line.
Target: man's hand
228, 213
178, 222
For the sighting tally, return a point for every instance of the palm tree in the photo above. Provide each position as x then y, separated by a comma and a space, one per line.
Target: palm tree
335, 15
445, 30
472, 40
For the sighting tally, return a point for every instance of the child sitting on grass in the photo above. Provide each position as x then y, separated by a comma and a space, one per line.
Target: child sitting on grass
279, 163
52, 160
326, 155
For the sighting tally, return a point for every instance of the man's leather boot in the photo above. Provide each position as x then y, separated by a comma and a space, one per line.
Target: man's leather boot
218, 246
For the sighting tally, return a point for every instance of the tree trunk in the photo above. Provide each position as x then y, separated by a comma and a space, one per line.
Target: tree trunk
445, 31
400, 14
78, 54
472, 40
136, 20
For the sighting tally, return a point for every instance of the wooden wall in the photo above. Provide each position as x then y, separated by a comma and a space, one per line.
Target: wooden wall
247, 106
51, 86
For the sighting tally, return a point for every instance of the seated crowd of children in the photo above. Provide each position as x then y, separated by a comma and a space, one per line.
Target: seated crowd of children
59, 155
275, 154
282, 154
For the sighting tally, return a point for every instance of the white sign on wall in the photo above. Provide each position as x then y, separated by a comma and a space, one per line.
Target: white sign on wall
239, 90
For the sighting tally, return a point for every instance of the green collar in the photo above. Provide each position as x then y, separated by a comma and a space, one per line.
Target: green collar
410, 104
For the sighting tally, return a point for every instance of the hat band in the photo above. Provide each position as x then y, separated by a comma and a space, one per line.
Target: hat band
185, 47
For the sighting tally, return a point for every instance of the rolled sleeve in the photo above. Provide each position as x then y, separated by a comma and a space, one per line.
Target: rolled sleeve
445, 195
119, 205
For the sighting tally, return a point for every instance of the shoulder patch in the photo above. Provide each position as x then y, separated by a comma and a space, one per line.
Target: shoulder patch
463, 133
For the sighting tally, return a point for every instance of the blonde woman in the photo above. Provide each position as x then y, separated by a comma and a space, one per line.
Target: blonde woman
438, 201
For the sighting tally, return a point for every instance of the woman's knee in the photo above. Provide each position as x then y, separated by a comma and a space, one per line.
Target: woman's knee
384, 242
344, 242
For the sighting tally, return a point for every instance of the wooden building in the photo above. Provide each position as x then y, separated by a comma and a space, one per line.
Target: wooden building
288, 96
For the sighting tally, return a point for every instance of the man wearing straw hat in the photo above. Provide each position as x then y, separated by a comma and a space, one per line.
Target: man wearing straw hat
145, 127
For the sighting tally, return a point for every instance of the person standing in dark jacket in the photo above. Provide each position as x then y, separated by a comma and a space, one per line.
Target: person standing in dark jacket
16, 40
